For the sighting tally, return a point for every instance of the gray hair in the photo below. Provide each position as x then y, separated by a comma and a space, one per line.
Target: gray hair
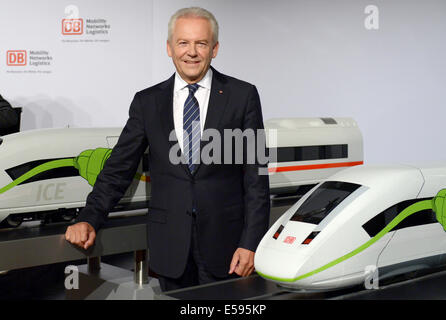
193, 12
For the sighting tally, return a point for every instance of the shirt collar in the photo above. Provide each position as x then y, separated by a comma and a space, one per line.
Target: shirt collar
205, 82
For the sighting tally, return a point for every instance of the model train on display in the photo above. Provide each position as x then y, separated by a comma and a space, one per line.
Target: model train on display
47, 174
361, 219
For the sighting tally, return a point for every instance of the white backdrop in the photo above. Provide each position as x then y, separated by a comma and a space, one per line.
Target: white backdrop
91, 79
308, 58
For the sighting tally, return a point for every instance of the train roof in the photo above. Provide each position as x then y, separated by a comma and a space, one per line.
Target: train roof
41, 134
435, 178
300, 123
289, 132
432, 177
56, 140
377, 175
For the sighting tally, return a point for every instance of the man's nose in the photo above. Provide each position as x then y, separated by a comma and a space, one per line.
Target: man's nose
192, 51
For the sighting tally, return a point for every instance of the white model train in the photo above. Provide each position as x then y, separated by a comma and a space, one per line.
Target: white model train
361, 219
310, 150
43, 172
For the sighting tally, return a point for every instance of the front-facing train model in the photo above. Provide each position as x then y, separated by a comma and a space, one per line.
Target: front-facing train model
361, 219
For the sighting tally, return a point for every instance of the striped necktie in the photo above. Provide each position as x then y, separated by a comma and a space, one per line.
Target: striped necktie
191, 127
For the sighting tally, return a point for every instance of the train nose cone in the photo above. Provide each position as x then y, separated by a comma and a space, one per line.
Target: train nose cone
279, 266
284, 259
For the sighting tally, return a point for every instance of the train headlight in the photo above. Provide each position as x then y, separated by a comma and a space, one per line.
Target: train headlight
277, 233
310, 237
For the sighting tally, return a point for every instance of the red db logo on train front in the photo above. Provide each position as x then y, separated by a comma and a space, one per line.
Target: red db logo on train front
289, 239
16, 57
72, 26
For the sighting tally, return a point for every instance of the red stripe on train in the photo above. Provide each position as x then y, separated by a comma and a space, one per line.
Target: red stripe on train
316, 166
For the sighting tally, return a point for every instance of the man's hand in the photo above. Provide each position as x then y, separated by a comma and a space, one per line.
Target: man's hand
81, 234
242, 262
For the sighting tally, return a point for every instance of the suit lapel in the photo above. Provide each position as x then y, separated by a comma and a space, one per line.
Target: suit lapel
217, 101
217, 104
165, 107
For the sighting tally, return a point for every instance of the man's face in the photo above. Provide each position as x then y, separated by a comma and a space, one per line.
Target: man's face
191, 48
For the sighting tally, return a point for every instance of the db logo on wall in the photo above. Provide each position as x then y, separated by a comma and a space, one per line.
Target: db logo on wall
72, 26
16, 58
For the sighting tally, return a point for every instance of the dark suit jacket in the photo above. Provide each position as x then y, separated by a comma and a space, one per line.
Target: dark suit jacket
231, 201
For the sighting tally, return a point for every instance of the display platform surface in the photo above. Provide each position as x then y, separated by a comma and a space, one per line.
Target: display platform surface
250, 288
112, 283
46, 244
427, 287
430, 286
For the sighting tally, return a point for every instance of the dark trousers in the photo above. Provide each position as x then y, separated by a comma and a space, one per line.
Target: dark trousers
195, 272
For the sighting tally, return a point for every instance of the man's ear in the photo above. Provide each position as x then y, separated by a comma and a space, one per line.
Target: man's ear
169, 49
215, 49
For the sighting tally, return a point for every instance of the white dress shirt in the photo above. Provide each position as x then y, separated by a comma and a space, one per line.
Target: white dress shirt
180, 94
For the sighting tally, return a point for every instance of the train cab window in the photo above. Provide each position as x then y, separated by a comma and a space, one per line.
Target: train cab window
380, 221
323, 200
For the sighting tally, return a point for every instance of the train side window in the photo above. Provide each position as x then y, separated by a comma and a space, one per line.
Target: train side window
62, 172
308, 153
285, 154
380, 221
323, 200
417, 219
337, 151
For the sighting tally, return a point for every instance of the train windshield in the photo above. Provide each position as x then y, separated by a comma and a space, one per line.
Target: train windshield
323, 200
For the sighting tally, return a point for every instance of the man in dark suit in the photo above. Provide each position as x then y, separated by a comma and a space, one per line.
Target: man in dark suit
205, 220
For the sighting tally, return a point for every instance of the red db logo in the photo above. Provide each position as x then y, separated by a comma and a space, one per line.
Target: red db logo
16, 58
289, 239
72, 26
